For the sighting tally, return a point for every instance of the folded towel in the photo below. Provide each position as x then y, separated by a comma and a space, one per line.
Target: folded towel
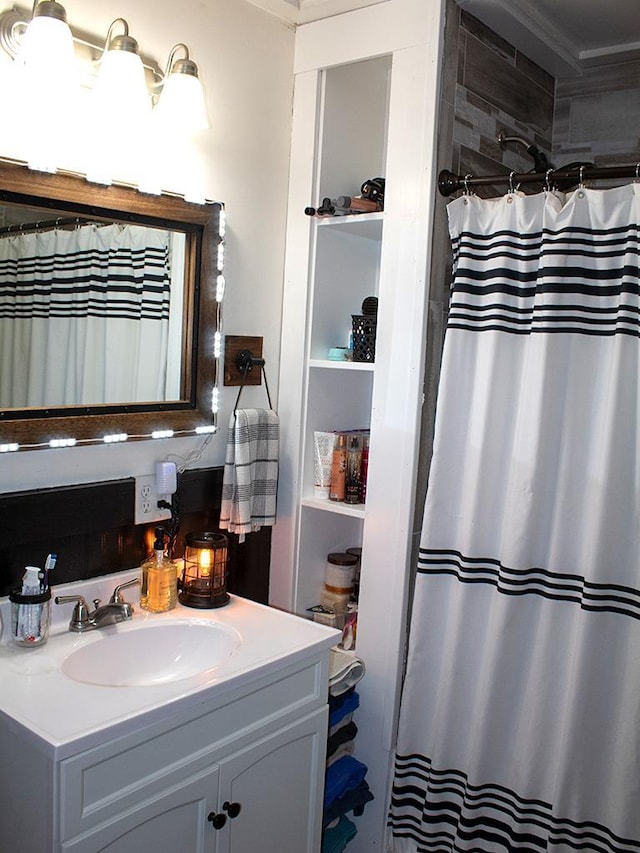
347, 748
353, 801
345, 775
336, 838
250, 479
345, 670
340, 706
342, 734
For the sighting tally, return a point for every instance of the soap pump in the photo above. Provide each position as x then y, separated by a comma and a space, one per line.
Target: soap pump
158, 588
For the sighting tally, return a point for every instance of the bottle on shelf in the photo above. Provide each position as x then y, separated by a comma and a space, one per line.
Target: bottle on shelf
352, 480
338, 469
364, 468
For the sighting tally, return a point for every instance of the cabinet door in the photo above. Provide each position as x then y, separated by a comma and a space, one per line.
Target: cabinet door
175, 821
278, 784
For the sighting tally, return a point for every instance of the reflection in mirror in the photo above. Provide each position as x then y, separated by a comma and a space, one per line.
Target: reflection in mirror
108, 310
90, 311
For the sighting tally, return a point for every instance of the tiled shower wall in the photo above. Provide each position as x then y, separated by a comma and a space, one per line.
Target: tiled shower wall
597, 116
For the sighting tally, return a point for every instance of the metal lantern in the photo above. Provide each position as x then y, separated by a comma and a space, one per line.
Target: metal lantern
204, 576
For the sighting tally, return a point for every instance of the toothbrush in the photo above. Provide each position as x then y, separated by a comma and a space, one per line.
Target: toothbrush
49, 565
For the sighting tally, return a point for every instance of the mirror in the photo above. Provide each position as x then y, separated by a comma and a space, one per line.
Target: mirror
107, 310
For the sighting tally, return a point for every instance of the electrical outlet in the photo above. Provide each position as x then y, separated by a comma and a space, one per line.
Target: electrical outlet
146, 504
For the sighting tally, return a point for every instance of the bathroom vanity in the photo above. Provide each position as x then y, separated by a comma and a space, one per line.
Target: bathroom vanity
123, 757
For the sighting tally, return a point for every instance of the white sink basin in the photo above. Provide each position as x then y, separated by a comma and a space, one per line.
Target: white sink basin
152, 654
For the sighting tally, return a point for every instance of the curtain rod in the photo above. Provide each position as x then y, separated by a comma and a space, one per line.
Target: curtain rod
449, 182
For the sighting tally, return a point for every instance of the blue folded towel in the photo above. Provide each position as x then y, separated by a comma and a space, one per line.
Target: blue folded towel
345, 775
342, 705
353, 801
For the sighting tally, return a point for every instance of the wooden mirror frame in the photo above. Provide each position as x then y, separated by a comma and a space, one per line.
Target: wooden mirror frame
34, 428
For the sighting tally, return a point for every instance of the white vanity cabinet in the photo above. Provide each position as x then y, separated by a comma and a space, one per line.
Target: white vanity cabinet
261, 798
228, 762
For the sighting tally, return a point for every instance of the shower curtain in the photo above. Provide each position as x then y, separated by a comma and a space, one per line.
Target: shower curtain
84, 316
520, 717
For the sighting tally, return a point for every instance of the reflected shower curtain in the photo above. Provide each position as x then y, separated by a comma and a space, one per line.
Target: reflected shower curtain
84, 316
520, 717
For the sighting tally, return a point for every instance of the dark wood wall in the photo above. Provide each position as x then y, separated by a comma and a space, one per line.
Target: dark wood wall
91, 529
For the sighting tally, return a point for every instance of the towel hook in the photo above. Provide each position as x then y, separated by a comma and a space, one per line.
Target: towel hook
246, 361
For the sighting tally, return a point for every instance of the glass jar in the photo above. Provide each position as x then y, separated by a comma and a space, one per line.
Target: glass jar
30, 616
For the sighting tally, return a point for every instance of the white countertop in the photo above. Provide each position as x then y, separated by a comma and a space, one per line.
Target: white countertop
59, 711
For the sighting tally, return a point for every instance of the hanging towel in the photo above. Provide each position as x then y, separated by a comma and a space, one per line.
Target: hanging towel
345, 670
250, 478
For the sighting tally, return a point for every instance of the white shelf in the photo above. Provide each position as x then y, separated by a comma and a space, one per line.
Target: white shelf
367, 225
337, 507
326, 364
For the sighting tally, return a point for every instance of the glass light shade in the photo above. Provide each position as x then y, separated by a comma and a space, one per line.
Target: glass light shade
47, 49
119, 119
181, 105
121, 88
204, 576
47, 83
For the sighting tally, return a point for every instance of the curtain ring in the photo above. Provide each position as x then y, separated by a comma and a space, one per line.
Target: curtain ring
546, 180
637, 178
511, 187
581, 178
465, 181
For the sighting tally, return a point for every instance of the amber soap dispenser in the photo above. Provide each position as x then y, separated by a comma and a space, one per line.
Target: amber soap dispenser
158, 588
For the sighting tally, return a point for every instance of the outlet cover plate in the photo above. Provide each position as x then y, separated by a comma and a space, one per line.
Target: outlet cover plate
146, 502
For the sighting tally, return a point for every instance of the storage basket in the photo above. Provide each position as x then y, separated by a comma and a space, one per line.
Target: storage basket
364, 337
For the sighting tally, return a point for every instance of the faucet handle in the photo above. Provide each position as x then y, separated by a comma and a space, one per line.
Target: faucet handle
80, 615
116, 597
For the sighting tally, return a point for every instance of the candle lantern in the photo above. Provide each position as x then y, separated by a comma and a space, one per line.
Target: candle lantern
204, 575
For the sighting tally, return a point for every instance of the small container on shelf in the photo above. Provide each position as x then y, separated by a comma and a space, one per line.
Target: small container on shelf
364, 330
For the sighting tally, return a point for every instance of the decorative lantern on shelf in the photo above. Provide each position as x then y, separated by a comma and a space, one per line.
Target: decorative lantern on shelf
204, 575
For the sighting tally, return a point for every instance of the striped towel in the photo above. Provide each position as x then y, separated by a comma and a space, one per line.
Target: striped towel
250, 478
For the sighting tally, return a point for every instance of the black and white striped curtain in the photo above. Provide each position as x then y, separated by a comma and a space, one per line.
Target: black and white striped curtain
520, 717
84, 316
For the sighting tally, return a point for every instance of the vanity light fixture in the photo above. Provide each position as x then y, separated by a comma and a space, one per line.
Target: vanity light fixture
10, 447
46, 81
181, 103
119, 110
54, 62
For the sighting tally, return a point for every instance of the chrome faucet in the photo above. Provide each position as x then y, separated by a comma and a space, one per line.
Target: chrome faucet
116, 610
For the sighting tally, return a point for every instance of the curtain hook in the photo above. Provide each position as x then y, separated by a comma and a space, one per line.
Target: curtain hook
465, 181
511, 187
581, 178
547, 181
637, 178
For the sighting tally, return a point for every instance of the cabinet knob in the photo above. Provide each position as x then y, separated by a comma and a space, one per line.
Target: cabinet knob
217, 820
232, 809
